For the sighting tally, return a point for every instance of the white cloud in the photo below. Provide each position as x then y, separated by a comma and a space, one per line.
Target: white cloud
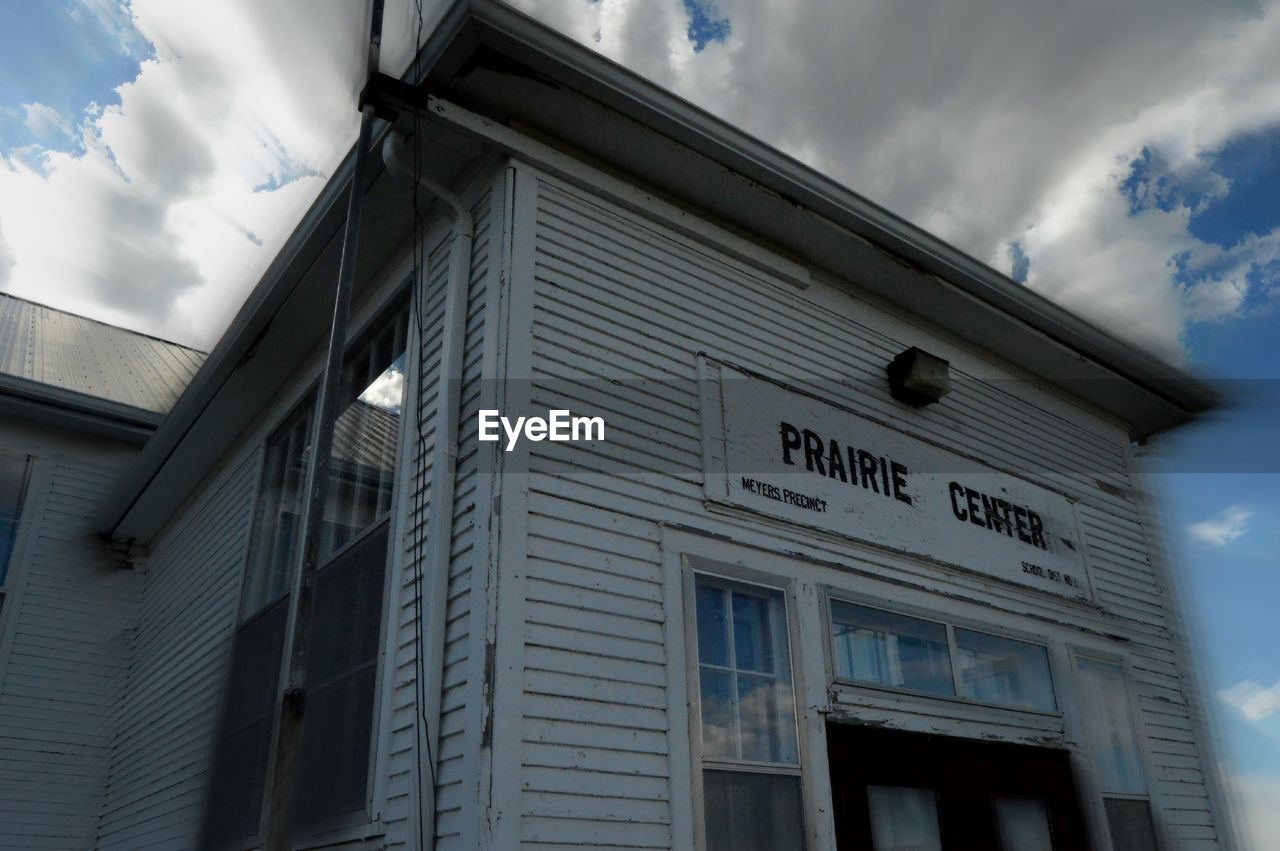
153, 224
988, 124
6, 259
1253, 700
1230, 523
991, 123
46, 122
386, 391
114, 17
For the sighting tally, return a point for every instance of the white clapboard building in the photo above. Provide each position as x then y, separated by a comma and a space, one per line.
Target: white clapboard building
861, 561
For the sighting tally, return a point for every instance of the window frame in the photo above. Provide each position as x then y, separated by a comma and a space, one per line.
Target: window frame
23, 518
383, 307
397, 301
34, 487
1088, 749
693, 567
828, 594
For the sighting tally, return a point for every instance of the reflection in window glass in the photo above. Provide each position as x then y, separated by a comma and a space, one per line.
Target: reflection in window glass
1109, 726
903, 819
361, 470
1024, 824
884, 648
1002, 670
13, 487
365, 436
279, 512
744, 673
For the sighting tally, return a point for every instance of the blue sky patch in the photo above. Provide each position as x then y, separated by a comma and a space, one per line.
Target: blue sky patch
1151, 185
1252, 164
61, 57
704, 24
1021, 262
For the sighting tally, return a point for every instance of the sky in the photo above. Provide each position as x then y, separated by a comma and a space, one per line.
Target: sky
1122, 159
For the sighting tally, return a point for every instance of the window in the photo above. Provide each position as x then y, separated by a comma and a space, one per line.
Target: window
1112, 736
903, 819
15, 470
1001, 670
881, 648
888, 649
750, 758
1023, 824
347, 611
362, 464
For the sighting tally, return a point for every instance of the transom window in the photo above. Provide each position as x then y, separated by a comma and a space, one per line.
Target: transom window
750, 759
882, 648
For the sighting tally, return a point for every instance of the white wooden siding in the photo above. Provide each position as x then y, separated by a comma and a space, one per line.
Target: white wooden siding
169, 718
620, 298
454, 762
70, 618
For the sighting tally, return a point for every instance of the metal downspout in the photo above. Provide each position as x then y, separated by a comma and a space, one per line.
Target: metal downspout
444, 456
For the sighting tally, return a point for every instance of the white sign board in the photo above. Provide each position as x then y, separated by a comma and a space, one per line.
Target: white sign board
782, 453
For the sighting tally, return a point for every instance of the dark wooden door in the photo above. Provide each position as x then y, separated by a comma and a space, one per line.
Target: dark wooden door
979, 793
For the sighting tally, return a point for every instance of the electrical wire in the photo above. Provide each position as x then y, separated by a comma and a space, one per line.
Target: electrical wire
420, 259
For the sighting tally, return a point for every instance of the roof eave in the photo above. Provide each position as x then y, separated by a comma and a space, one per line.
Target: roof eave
73, 411
472, 23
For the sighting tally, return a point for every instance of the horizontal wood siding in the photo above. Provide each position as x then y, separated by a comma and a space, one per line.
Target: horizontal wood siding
63, 685
169, 718
453, 762
620, 299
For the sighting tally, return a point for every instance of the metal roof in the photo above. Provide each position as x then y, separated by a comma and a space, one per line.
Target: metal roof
73, 353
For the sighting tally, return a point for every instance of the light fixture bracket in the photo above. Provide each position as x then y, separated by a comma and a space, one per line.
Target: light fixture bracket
918, 378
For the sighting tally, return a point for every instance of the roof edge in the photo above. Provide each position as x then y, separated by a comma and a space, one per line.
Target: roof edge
498, 24
71, 409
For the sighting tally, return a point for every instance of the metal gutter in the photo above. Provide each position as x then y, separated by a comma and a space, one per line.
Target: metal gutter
35, 400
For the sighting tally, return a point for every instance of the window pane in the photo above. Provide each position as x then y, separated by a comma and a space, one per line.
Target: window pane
1024, 824
884, 648
754, 633
13, 487
767, 722
362, 464
1130, 822
1002, 670
903, 819
1109, 726
13, 481
279, 512
752, 812
719, 729
713, 628
365, 436
748, 709
8, 536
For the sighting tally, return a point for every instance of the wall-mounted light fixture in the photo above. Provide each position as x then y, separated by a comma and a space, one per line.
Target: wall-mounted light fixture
919, 378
